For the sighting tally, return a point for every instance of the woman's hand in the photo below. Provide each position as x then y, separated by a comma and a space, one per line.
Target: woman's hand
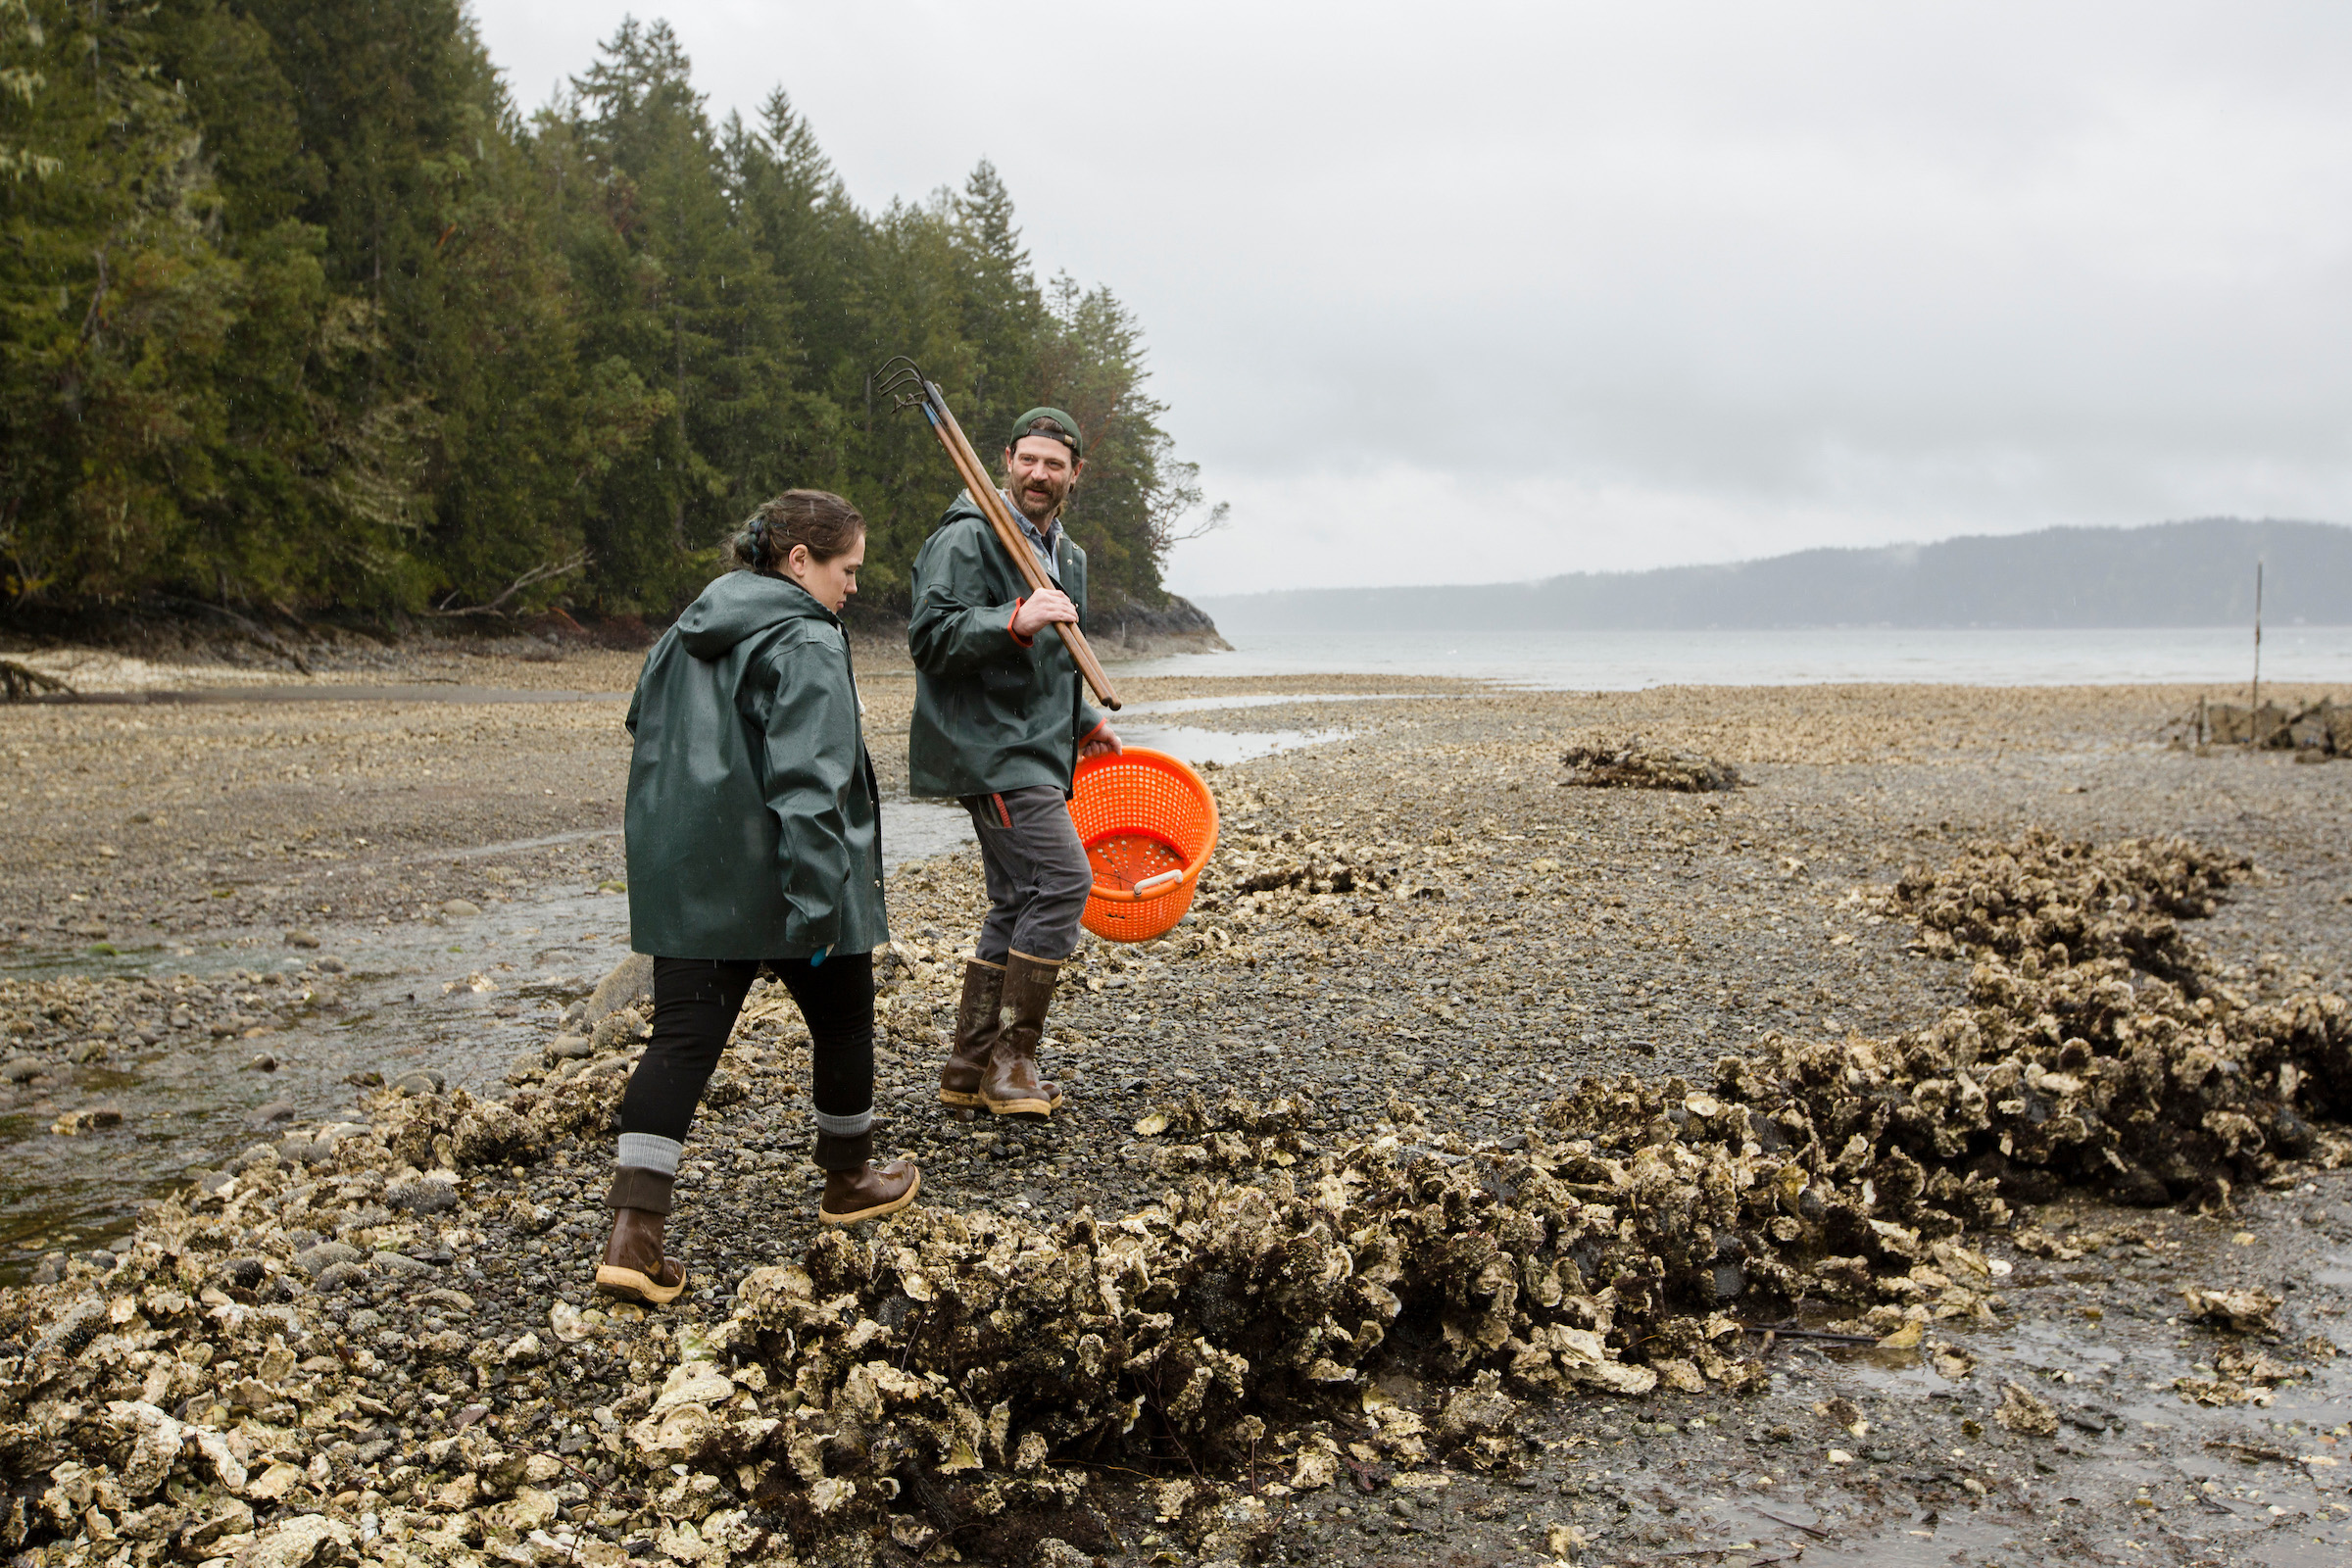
1101, 741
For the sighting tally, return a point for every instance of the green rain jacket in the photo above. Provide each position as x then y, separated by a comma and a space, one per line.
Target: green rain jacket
990, 712
754, 820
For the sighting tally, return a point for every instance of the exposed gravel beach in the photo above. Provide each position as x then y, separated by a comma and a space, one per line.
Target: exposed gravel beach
1418, 933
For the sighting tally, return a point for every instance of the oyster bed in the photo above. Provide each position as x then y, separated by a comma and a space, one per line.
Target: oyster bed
1314, 1300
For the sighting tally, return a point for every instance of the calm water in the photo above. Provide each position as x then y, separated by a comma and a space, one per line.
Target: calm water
1625, 660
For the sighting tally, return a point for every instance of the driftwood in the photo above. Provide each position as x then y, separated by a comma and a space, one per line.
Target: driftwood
23, 681
545, 571
254, 633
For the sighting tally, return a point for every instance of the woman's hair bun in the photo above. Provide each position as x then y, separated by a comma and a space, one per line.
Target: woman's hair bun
821, 520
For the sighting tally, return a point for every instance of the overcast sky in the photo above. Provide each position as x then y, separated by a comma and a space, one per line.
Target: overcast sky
1473, 292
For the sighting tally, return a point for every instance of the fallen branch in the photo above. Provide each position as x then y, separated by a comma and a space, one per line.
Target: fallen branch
2253, 1452
1817, 1534
260, 636
25, 681
545, 571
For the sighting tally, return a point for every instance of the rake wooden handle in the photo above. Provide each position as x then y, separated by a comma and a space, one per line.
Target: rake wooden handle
1008, 534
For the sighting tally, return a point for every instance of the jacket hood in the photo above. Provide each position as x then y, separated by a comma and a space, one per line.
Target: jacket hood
741, 604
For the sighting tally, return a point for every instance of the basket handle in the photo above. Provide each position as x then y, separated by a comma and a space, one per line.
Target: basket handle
1153, 884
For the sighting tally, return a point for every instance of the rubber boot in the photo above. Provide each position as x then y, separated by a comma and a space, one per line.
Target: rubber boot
868, 1192
855, 1188
633, 1267
979, 1016
1012, 1087
975, 1031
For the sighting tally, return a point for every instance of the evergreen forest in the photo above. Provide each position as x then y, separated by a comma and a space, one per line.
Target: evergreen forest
298, 311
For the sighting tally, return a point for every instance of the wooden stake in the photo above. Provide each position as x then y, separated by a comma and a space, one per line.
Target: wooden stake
2254, 724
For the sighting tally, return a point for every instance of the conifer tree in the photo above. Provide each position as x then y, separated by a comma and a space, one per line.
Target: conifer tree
115, 303
297, 311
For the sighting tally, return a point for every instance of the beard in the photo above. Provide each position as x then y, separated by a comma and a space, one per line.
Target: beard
1041, 498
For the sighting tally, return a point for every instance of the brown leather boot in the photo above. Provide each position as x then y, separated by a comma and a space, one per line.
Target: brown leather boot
1012, 1087
634, 1268
868, 1192
975, 1031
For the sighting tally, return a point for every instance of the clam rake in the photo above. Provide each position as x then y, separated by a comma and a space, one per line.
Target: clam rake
902, 381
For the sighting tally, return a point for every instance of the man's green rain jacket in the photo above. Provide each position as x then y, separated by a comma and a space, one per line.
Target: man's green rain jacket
754, 822
990, 712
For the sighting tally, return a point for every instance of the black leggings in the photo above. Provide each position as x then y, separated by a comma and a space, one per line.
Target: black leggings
695, 1004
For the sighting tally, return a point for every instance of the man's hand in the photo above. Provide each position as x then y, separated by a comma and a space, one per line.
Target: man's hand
1041, 610
1101, 741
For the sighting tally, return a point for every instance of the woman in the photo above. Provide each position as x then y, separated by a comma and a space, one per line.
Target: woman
753, 839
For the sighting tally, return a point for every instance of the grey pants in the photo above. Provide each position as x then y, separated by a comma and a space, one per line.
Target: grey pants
1038, 876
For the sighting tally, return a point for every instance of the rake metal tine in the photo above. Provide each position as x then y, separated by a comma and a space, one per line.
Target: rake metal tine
904, 385
895, 373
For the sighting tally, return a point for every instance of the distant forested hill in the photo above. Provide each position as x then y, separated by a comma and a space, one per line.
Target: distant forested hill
2169, 574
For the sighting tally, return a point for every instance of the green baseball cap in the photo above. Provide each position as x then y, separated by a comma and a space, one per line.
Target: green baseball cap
1050, 423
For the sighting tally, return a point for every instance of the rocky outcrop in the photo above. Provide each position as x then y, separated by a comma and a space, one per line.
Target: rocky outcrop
2321, 729
1131, 627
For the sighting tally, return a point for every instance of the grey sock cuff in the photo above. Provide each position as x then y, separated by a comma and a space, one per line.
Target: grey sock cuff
646, 1151
846, 1126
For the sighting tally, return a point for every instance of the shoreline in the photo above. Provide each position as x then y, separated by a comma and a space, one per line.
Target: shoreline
106, 655
1686, 925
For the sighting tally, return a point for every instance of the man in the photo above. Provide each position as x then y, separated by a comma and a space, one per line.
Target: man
999, 723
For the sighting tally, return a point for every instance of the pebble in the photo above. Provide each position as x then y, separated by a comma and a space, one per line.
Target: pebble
399, 1262
315, 1260
630, 983
425, 1196
460, 909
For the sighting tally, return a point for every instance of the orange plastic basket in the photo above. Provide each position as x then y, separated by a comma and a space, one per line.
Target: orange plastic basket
1148, 824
